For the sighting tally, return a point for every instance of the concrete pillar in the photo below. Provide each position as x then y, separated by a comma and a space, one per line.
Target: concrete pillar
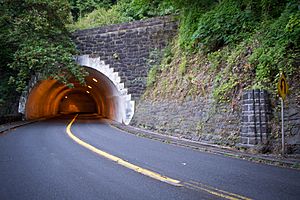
256, 112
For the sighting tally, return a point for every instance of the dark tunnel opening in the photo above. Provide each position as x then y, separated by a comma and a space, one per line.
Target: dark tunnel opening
77, 102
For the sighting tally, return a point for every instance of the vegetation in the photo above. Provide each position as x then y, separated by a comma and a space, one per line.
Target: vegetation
34, 41
120, 11
80, 8
100, 17
223, 47
238, 44
246, 43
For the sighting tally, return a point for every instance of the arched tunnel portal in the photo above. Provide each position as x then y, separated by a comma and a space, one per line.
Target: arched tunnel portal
102, 94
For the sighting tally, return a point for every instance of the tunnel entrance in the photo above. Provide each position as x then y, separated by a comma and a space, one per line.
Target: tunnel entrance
103, 94
99, 95
77, 102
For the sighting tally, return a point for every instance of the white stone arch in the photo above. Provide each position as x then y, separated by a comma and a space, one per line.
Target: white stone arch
125, 104
42, 98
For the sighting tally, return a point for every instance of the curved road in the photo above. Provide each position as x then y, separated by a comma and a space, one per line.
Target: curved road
40, 161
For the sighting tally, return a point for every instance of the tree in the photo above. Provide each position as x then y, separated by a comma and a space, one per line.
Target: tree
41, 44
80, 8
8, 94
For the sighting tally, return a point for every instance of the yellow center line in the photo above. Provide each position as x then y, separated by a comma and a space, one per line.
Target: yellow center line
194, 187
190, 185
217, 192
221, 191
120, 161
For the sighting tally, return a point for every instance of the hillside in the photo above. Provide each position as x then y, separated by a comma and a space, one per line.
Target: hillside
195, 86
195, 92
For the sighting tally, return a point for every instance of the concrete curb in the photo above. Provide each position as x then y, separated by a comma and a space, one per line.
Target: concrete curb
8, 127
277, 160
13, 125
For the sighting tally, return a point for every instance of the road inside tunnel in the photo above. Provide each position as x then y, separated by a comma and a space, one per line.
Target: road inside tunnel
99, 95
78, 102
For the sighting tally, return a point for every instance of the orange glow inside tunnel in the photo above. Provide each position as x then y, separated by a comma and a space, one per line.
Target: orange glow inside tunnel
49, 98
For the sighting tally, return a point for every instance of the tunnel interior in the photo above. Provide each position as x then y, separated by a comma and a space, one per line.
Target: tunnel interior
77, 102
99, 95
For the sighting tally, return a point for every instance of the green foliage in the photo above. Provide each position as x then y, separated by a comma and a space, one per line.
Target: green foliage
227, 23
140, 9
188, 25
270, 27
228, 71
247, 43
264, 33
210, 25
81, 8
224, 84
151, 79
182, 66
109, 12
167, 56
7, 49
40, 43
190, 14
215, 59
100, 17
153, 64
279, 46
49, 60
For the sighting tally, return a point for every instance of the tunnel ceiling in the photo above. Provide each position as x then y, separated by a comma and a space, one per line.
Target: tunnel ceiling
100, 95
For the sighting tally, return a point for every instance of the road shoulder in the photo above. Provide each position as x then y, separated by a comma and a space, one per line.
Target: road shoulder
10, 126
289, 161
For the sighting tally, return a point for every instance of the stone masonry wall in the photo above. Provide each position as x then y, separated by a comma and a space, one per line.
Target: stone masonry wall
126, 47
198, 119
291, 123
255, 123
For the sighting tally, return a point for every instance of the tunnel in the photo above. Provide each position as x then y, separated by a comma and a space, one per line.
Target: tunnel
77, 102
99, 95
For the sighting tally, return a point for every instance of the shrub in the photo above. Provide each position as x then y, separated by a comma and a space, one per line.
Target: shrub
100, 17
227, 23
151, 79
140, 9
182, 66
279, 46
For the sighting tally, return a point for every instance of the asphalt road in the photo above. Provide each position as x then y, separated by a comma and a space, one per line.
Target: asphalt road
40, 161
